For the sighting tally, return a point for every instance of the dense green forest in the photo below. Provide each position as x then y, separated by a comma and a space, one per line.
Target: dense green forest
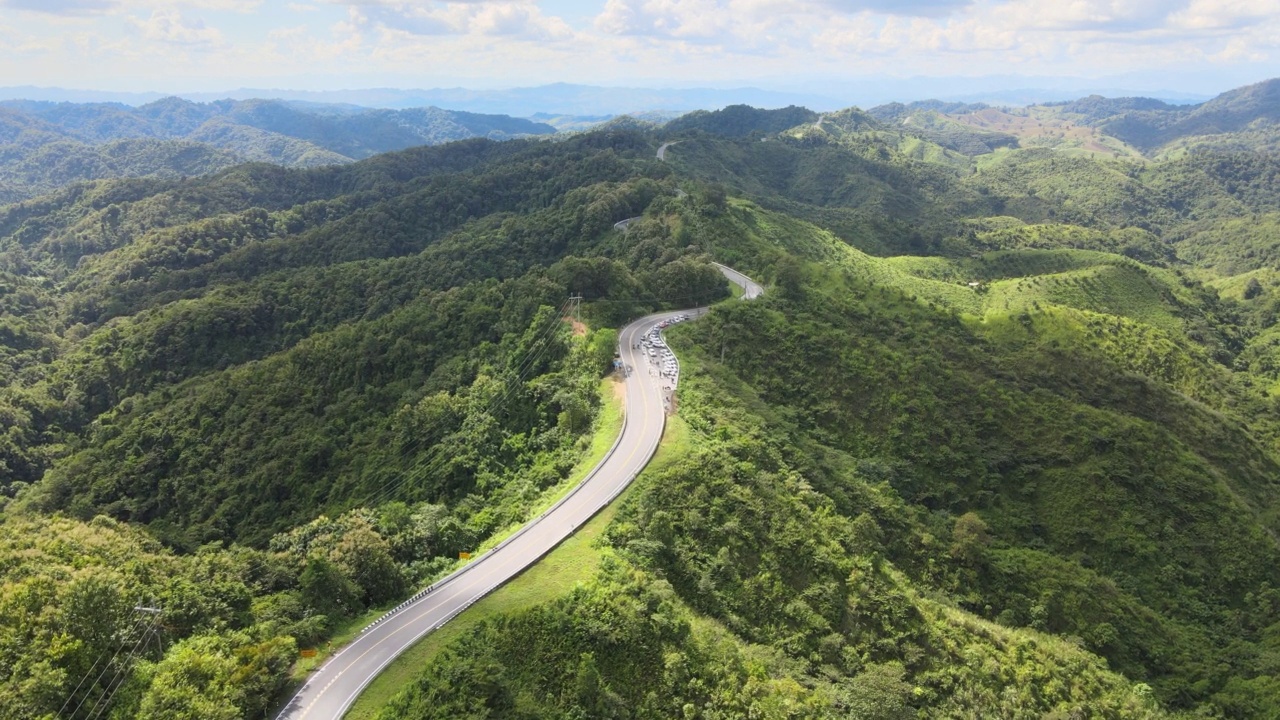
45, 146
1000, 441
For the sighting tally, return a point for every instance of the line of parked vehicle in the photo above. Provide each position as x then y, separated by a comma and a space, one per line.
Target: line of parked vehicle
663, 365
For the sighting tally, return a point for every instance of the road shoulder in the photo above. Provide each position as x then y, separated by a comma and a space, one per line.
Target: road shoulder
574, 561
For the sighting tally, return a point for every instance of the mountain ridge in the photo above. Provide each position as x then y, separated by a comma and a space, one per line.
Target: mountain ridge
229, 132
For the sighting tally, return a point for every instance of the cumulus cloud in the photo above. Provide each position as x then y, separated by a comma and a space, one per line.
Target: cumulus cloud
169, 26
73, 8
1224, 14
1102, 15
243, 6
521, 19
692, 39
925, 8
727, 20
670, 18
60, 7
291, 46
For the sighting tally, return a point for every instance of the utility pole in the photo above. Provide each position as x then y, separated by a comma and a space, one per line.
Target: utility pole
577, 305
155, 628
118, 671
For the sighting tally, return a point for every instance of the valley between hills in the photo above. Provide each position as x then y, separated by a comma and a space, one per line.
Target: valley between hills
999, 438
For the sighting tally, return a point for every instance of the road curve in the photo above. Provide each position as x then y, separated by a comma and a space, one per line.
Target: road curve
662, 150
331, 690
750, 288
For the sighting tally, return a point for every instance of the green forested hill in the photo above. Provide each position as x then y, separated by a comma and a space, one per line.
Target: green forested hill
45, 146
1245, 119
741, 121
1000, 441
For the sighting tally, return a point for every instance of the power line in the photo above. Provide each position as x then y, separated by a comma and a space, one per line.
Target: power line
122, 673
138, 622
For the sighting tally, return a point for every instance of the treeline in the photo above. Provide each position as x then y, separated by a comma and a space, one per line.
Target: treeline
46, 146
1080, 479
302, 438
870, 470
772, 573
1050, 491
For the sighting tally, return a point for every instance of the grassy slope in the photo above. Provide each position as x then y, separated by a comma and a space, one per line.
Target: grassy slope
575, 561
1013, 280
608, 425
989, 656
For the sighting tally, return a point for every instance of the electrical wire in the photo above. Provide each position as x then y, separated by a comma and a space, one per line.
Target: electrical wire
122, 674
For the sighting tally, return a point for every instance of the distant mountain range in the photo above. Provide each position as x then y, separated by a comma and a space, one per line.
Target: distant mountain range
1243, 118
560, 99
556, 99
44, 145
1246, 118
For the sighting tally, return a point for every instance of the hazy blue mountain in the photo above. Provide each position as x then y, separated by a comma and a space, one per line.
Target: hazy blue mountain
1150, 124
568, 123
44, 144
557, 99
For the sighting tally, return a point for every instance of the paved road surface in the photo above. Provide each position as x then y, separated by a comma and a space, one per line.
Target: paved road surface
750, 288
662, 151
334, 687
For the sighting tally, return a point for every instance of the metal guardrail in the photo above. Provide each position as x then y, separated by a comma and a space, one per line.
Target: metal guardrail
508, 540
475, 562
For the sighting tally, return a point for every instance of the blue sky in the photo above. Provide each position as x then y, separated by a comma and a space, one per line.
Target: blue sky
202, 45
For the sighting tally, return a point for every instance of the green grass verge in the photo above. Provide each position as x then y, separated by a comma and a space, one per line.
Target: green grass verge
572, 562
608, 426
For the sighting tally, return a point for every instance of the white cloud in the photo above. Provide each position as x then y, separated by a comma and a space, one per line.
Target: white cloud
60, 7
1084, 15
240, 6
517, 19
298, 45
73, 8
624, 41
1225, 14
924, 8
170, 27
686, 19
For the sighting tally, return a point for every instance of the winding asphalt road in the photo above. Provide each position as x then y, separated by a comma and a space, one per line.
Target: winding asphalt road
750, 288
334, 687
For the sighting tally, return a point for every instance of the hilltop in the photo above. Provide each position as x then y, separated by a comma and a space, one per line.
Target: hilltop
1243, 119
46, 145
1000, 438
